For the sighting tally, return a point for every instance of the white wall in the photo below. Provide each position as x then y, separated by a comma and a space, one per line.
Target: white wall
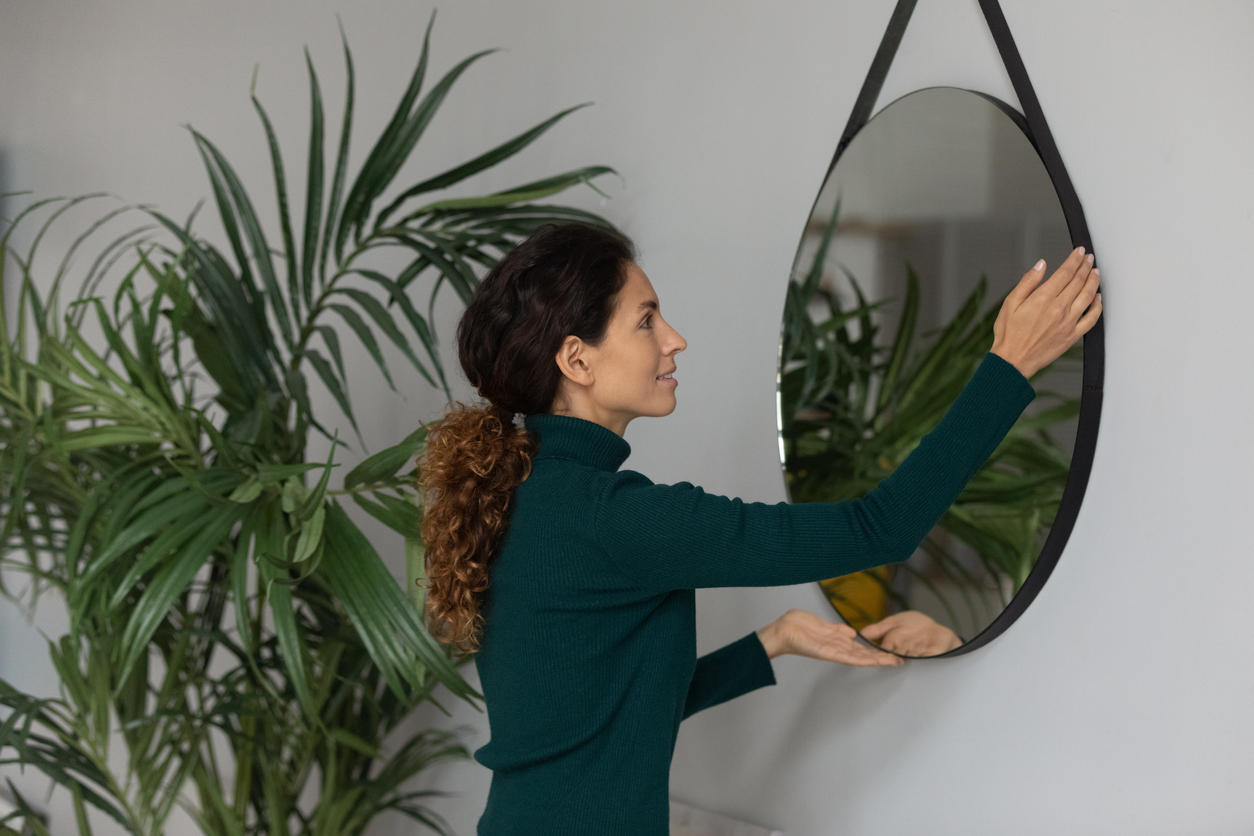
1120, 702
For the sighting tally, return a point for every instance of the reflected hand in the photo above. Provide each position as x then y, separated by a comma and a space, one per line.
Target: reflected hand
911, 633
1038, 321
805, 634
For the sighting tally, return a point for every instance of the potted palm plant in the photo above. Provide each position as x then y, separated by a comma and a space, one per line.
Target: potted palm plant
231, 627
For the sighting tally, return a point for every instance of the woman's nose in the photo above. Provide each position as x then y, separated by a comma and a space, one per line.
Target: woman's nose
674, 342
678, 343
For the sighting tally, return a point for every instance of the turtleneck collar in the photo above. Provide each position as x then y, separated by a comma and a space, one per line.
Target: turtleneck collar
578, 439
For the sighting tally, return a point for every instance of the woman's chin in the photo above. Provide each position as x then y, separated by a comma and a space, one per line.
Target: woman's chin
667, 409
659, 406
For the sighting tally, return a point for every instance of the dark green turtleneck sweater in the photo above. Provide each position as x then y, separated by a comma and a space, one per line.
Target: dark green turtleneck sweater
588, 658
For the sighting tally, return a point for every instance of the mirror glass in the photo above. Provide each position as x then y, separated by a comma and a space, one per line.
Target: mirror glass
934, 211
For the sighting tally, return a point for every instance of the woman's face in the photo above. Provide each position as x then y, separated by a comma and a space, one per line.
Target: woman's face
629, 374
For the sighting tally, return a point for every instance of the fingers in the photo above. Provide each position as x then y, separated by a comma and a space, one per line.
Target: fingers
894, 644
891, 636
1078, 281
899, 641
1026, 285
868, 658
843, 647
1066, 272
1089, 319
907, 647
821, 639
877, 631
1085, 297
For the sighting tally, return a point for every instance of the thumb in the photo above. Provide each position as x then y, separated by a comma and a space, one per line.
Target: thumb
1030, 281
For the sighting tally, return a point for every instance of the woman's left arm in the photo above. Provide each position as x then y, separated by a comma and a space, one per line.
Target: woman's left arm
728, 672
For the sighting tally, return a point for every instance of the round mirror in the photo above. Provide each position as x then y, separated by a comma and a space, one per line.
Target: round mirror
929, 217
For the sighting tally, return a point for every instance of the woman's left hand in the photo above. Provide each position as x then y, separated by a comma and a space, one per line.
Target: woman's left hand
805, 634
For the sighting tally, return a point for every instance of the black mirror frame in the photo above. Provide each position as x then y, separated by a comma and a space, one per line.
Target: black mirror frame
1032, 123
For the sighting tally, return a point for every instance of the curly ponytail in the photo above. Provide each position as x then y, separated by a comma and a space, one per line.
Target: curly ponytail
475, 458
561, 281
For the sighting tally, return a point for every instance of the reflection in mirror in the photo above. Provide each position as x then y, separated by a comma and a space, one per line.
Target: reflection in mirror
932, 214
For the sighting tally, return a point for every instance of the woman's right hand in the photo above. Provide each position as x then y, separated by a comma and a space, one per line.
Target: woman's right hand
1039, 320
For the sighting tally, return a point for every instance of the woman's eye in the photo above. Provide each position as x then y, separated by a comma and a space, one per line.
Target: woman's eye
648, 322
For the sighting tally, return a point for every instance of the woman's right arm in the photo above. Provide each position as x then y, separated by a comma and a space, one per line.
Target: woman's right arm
679, 537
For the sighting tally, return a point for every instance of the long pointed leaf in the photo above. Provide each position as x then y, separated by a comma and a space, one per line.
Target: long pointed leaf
256, 239
480, 163
285, 218
385, 618
356, 205
324, 370
425, 335
385, 463
313, 185
383, 319
231, 313
169, 583
519, 194
902, 341
367, 338
288, 634
341, 161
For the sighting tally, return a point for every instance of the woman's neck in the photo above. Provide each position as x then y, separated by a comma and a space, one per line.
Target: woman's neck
576, 407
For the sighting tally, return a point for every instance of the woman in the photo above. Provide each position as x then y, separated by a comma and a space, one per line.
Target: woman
574, 581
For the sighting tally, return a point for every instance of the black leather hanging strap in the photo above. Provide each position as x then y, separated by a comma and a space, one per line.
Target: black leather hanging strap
1043, 138
874, 82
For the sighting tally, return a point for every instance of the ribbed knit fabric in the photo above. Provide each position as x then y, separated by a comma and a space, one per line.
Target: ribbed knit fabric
588, 658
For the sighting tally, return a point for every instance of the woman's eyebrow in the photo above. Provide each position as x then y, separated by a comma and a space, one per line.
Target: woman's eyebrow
648, 303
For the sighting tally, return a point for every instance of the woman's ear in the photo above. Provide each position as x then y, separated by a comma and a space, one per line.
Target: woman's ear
572, 359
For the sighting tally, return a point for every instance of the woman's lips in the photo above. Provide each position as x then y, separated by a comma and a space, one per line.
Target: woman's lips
667, 380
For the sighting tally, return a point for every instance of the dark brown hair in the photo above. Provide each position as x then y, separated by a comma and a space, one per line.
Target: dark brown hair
562, 281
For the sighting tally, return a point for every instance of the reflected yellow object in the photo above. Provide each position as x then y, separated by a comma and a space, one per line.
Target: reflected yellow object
860, 598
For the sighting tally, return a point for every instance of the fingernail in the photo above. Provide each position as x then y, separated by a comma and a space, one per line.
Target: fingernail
1039, 266
1080, 250
1089, 258
1097, 271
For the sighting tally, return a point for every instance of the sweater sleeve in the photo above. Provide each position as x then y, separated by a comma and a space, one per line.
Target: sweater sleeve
728, 672
669, 537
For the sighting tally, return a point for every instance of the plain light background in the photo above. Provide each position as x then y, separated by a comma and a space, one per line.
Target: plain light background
1120, 703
